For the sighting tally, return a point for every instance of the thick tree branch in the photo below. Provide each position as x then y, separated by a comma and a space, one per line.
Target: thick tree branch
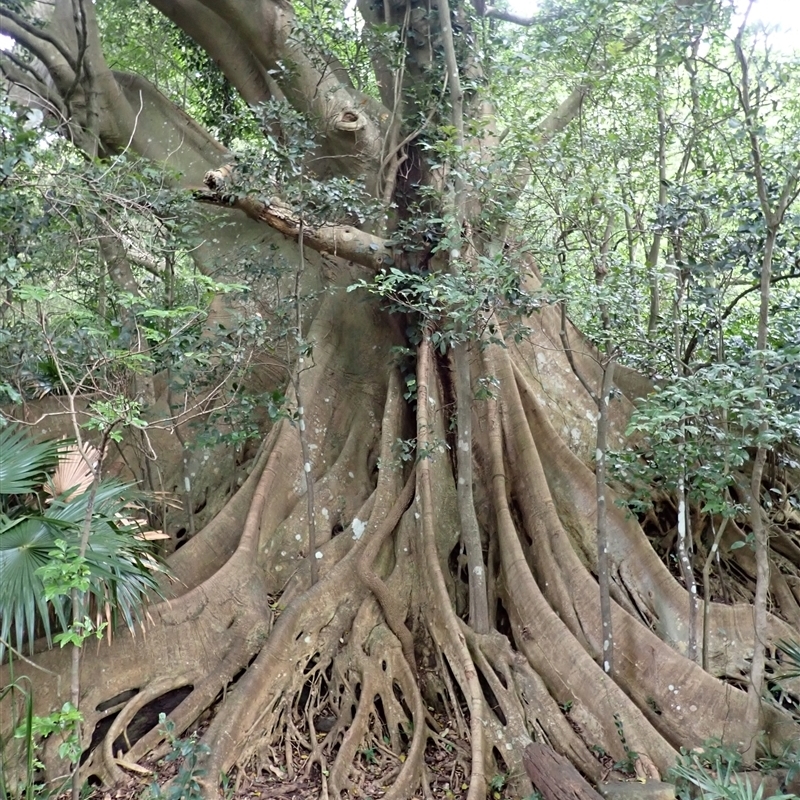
25, 79
556, 121
508, 16
552, 124
162, 132
88, 97
24, 66
223, 45
86, 79
350, 124
559, 118
341, 241
61, 70
16, 26
19, 77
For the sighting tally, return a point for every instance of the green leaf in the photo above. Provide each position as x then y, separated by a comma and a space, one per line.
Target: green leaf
24, 463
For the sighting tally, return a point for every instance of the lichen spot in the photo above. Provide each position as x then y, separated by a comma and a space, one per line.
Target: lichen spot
358, 528
318, 554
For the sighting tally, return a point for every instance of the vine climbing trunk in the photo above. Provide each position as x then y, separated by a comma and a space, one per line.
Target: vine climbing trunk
603, 561
470, 532
755, 689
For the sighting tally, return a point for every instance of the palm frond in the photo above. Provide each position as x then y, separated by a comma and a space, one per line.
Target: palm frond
24, 463
24, 547
791, 652
73, 475
123, 571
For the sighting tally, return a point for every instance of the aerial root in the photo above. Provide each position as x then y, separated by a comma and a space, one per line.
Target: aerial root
507, 727
524, 710
315, 628
314, 633
393, 613
200, 699
445, 628
361, 694
645, 586
372, 676
659, 680
110, 771
168, 658
411, 772
254, 716
569, 672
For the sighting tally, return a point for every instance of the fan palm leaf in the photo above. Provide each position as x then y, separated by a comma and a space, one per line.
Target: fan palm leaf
24, 463
24, 547
73, 474
122, 570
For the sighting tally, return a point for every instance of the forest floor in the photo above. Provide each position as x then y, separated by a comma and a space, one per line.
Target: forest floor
445, 772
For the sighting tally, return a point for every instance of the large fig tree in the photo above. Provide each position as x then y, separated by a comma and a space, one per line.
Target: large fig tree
406, 556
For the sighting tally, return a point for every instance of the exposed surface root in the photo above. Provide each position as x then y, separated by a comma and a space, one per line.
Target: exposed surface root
659, 600
361, 682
